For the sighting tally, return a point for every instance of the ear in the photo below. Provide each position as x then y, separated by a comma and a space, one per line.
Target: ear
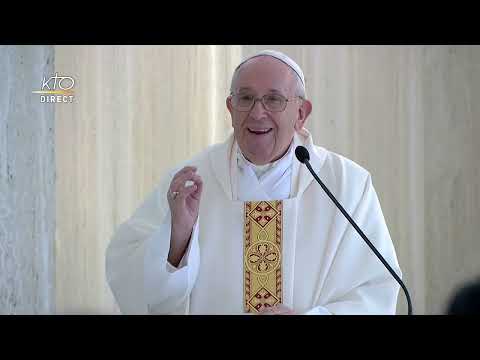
228, 102
303, 112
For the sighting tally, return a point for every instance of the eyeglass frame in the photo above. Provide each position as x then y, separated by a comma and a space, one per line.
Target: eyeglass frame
287, 100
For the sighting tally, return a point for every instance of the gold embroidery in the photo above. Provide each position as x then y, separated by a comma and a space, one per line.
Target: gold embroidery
262, 255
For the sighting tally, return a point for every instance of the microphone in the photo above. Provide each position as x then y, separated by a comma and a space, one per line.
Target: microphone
303, 156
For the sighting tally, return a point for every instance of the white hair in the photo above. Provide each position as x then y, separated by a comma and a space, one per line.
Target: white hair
299, 87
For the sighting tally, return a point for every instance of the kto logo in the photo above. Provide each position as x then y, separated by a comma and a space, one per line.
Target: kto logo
57, 89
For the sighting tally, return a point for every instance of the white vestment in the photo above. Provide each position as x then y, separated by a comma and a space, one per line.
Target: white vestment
327, 267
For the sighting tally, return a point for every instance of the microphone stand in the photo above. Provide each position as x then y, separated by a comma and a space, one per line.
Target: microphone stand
364, 237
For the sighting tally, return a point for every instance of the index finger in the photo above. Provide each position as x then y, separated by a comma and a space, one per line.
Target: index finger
183, 171
186, 169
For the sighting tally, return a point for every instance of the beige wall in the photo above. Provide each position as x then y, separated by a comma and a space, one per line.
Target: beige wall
452, 169
406, 113
138, 111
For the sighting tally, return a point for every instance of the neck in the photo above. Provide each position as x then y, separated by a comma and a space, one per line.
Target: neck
260, 163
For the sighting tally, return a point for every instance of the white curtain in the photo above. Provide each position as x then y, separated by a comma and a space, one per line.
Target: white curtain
409, 114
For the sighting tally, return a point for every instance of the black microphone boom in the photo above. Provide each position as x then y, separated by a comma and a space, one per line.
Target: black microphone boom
303, 156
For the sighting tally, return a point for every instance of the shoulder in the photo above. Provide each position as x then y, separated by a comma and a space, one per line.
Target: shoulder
340, 165
199, 160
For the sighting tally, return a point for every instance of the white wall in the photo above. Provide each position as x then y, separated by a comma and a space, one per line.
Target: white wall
27, 183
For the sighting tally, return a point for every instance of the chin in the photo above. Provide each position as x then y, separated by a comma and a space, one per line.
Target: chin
256, 151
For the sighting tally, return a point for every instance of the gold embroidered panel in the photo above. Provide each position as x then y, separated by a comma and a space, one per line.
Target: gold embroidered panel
262, 254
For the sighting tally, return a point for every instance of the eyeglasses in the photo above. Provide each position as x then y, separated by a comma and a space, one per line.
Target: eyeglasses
271, 102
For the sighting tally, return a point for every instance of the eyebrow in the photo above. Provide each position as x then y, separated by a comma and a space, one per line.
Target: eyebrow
269, 90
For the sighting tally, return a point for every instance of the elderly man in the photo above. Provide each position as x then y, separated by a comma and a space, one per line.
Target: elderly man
243, 228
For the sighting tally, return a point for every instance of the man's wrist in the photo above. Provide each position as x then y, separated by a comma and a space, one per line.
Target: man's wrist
178, 247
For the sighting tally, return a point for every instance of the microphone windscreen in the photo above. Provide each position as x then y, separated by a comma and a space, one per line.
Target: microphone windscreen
302, 154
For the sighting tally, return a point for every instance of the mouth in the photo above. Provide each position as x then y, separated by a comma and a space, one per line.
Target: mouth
259, 131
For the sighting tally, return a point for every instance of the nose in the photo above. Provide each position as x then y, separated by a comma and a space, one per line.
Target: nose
258, 110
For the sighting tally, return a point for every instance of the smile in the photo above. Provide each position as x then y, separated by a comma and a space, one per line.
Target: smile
259, 131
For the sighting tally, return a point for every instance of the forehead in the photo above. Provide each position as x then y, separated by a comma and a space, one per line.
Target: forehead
263, 74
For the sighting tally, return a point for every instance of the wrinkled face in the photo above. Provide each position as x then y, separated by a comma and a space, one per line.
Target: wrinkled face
265, 136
